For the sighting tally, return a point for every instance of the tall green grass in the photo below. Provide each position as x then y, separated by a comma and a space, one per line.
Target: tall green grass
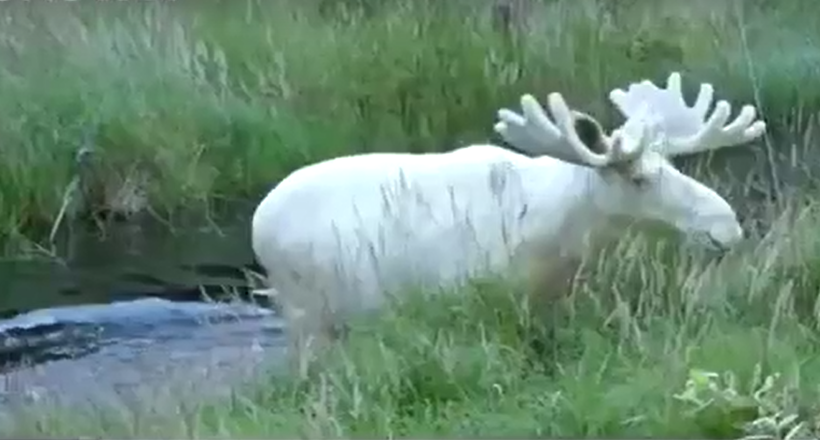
202, 103
220, 100
652, 344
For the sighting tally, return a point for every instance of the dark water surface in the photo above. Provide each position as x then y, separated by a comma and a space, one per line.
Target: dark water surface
117, 318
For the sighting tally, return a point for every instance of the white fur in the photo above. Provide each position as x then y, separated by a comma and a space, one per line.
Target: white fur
335, 236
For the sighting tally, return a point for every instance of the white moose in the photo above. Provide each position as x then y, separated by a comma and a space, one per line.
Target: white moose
335, 237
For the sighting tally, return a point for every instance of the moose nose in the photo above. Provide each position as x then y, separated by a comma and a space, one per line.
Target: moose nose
726, 236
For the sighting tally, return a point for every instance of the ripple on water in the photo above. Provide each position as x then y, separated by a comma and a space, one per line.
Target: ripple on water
144, 350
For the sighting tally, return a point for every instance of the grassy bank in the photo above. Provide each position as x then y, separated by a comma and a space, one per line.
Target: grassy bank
214, 101
190, 104
630, 354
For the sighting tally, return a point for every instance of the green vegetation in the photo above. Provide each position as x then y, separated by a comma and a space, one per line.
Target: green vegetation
613, 360
189, 105
217, 101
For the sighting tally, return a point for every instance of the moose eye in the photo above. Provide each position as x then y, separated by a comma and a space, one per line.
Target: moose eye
640, 180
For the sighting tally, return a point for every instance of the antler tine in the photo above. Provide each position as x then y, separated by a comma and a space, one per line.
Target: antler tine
570, 142
687, 129
535, 133
629, 141
706, 94
716, 133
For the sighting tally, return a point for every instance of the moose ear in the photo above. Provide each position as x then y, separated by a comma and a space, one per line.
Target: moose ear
590, 132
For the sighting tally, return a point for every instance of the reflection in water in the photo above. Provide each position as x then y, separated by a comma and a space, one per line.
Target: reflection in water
122, 316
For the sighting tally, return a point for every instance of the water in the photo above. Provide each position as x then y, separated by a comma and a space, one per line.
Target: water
107, 353
121, 318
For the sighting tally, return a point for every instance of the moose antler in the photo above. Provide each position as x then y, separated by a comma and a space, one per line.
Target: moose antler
687, 129
536, 134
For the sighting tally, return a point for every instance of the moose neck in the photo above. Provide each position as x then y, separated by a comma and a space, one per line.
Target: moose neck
562, 205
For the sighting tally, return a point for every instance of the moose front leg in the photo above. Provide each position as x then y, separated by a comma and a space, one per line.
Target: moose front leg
310, 336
